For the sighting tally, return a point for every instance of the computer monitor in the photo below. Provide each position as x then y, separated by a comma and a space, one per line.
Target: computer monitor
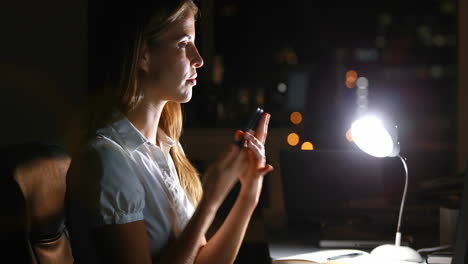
460, 248
337, 187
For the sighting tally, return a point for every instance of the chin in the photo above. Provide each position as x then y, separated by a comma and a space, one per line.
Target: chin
182, 95
184, 98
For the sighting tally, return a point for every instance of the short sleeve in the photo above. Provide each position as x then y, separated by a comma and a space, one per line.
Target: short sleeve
104, 187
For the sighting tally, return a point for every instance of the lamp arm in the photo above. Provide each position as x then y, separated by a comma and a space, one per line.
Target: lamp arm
398, 238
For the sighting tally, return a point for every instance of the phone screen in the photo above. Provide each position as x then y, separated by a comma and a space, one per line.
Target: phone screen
251, 123
253, 120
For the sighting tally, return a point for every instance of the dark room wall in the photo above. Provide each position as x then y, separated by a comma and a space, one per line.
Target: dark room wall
462, 146
42, 67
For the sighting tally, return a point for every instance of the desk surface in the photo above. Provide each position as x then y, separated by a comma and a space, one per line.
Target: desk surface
282, 243
281, 250
285, 250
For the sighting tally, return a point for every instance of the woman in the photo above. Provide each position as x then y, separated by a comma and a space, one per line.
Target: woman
132, 195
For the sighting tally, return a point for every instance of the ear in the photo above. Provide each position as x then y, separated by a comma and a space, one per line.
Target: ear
144, 60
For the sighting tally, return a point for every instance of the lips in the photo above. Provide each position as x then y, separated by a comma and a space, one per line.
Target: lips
193, 79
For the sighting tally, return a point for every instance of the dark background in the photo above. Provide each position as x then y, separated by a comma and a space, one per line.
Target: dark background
406, 49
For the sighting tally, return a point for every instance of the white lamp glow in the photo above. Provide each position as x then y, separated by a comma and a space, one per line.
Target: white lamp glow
372, 136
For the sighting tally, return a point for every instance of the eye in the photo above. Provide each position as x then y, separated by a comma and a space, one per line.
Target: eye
183, 44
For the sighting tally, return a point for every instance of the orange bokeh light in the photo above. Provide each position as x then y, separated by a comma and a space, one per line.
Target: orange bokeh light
307, 146
296, 118
293, 139
351, 77
350, 84
349, 137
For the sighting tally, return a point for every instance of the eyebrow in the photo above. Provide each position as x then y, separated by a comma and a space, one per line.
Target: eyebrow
187, 36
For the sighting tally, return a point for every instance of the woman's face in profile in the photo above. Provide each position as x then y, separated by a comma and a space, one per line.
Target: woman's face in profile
173, 62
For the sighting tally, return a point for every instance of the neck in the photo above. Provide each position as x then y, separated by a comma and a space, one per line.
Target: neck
145, 117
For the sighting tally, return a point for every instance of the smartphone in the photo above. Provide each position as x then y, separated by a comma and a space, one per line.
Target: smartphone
252, 123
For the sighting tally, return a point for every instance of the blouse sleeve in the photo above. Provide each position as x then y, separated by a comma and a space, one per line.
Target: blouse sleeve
107, 189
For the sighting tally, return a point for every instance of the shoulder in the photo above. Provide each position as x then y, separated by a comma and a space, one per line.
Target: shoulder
106, 163
101, 150
103, 181
106, 149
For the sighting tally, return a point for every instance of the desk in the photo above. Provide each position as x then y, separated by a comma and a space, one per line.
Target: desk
284, 245
281, 250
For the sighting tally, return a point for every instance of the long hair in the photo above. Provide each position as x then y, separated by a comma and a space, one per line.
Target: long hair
117, 46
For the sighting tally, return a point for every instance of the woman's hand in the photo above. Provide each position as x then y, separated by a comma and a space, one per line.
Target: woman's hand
246, 164
222, 175
256, 167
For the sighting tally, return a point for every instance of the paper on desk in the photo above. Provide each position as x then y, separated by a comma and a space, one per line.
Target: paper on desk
323, 255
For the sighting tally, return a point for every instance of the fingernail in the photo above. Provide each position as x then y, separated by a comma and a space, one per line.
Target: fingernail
238, 134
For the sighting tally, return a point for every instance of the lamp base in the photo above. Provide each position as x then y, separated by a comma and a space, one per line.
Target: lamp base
395, 253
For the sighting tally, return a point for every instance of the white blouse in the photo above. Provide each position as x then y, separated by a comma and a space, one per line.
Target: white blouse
120, 177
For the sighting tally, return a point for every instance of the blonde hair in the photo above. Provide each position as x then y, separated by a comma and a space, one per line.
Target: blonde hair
129, 94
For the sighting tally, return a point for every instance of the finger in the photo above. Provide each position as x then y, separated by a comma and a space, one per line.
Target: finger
256, 146
239, 138
255, 141
238, 135
258, 154
263, 171
262, 128
268, 168
260, 172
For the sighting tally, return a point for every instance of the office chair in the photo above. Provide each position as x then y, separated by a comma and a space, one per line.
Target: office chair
32, 191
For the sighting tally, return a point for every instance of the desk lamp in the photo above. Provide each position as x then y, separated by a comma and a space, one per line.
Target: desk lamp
379, 139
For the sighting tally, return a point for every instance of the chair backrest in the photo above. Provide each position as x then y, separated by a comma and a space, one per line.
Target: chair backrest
36, 192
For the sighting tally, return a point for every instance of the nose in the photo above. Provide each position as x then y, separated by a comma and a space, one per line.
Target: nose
197, 60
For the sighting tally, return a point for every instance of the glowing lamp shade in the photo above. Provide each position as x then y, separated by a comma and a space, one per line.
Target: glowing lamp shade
373, 137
